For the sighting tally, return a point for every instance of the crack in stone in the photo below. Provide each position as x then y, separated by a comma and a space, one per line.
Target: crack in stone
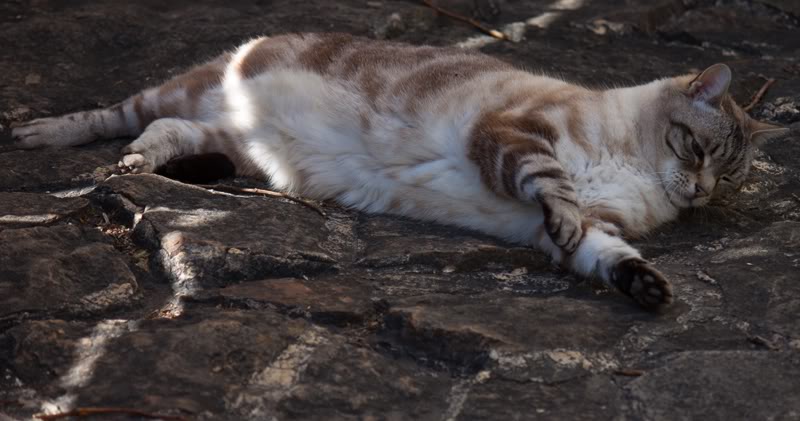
268, 386
88, 352
460, 392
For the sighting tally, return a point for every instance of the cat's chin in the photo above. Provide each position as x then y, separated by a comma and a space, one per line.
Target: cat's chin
696, 203
682, 202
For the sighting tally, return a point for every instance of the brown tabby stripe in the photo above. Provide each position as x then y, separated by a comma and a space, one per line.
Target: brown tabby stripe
607, 215
483, 151
509, 168
198, 80
370, 57
513, 162
320, 55
371, 63
534, 125
556, 173
512, 142
144, 116
263, 55
439, 75
575, 125
119, 111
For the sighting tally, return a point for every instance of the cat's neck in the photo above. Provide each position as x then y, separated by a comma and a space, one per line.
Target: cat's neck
629, 117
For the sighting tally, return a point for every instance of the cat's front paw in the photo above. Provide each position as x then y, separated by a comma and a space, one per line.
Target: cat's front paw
563, 223
642, 282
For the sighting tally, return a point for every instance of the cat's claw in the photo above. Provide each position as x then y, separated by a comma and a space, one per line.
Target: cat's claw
563, 224
642, 282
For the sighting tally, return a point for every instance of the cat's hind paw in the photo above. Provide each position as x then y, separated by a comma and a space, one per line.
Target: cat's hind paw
136, 163
51, 131
32, 134
642, 282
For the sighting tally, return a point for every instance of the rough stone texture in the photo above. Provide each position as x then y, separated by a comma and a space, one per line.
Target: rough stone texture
391, 242
58, 170
211, 239
63, 268
500, 399
41, 351
338, 300
19, 210
238, 364
148, 293
761, 286
720, 391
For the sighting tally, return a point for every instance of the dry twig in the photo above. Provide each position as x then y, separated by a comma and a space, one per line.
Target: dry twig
261, 192
629, 372
88, 412
4, 402
761, 341
760, 94
486, 30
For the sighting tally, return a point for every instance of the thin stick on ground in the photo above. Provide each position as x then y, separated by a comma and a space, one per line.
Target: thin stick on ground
486, 30
88, 412
759, 95
261, 192
629, 372
4, 402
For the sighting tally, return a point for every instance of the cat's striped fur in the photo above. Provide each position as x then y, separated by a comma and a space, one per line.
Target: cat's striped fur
449, 136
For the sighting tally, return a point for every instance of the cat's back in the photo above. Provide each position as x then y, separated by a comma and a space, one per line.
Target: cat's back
375, 68
343, 55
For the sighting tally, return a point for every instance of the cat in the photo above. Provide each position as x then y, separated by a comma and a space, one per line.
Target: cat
451, 136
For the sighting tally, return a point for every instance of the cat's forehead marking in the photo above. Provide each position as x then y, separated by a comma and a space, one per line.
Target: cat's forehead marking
736, 148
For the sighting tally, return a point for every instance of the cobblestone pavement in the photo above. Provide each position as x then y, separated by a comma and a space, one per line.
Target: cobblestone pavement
144, 292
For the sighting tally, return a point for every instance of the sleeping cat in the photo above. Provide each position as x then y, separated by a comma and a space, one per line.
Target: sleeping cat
450, 136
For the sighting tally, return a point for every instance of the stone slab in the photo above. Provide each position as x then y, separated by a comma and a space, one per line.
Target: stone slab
19, 210
62, 269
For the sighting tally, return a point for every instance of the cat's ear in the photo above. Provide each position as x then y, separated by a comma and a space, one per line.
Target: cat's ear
760, 132
712, 85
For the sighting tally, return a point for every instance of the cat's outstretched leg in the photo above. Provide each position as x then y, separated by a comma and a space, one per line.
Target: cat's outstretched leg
75, 129
184, 96
602, 255
168, 138
516, 158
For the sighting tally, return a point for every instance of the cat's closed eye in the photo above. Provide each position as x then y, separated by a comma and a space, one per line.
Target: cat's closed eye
677, 138
697, 149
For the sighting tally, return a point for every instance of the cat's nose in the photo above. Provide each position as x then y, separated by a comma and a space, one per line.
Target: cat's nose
699, 191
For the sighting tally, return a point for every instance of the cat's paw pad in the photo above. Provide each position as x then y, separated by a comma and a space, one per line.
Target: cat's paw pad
563, 224
643, 283
136, 163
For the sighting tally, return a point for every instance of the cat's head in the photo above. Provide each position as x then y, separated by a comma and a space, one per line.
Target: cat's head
706, 141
